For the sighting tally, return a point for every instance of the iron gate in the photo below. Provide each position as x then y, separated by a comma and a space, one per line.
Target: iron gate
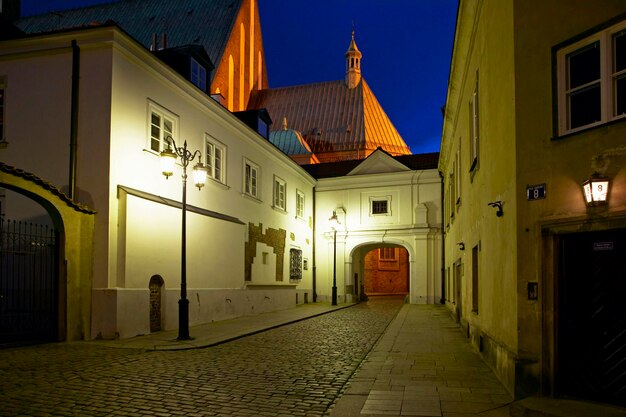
28, 283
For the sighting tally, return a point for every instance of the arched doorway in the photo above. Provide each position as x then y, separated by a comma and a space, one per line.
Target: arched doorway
156, 294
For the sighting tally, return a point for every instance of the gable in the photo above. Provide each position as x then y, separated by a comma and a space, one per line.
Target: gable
379, 162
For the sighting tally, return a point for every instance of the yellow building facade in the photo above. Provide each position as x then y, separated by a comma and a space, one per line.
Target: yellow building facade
536, 106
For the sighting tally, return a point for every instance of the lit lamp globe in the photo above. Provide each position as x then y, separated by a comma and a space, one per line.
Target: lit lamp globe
168, 159
596, 190
199, 175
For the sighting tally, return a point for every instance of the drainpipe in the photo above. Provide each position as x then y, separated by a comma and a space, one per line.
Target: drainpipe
443, 244
74, 118
313, 260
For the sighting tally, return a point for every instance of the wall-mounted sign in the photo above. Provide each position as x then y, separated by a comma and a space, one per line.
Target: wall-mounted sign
535, 192
601, 246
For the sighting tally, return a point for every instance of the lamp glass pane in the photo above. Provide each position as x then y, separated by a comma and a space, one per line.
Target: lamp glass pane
599, 189
167, 163
199, 175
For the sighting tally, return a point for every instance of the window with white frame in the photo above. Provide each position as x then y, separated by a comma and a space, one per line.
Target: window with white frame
474, 126
251, 179
2, 86
299, 204
380, 206
591, 76
457, 183
280, 188
198, 75
215, 159
162, 125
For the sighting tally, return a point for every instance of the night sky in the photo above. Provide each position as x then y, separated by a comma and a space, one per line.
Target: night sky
406, 47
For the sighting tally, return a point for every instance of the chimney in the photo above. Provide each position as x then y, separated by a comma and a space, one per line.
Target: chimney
10, 9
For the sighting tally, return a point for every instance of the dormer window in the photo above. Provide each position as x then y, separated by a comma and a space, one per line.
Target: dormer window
262, 128
198, 74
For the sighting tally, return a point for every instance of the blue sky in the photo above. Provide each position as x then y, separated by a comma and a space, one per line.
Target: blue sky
406, 46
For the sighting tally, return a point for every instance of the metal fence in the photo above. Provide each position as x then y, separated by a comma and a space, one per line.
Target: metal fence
28, 282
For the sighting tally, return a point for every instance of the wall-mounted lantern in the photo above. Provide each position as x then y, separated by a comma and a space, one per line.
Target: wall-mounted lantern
596, 190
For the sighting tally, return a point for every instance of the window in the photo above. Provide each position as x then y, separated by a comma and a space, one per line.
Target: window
2, 137
299, 204
215, 159
592, 80
251, 178
262, 128
295, 264
279, 193
475, 250
457, 183
162, 125
198, 75
474, 126
380, 206
388, 259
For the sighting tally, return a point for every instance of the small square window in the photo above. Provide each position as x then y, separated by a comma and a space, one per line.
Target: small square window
379, 206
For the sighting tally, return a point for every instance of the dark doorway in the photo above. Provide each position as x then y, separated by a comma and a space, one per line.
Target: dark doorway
28, 283
156, 286
591, 343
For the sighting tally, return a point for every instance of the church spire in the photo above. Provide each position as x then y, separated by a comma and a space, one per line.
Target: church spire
353, 64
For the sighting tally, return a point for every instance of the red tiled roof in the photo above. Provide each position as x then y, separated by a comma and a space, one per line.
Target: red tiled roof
332, 117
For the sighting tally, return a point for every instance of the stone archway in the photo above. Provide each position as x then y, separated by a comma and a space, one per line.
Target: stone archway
75, 226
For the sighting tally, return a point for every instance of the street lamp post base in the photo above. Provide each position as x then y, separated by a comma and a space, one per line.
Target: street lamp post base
183, 319
334, 297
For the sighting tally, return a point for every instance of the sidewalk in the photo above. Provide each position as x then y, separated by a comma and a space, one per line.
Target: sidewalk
424, 366
215, 333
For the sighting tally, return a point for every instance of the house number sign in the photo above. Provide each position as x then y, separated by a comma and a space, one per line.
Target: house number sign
535, 192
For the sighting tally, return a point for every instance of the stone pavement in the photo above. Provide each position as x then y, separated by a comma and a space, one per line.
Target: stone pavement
424, 366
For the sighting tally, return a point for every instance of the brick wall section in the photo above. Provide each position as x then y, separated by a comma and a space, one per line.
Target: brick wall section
274, 238
379, 281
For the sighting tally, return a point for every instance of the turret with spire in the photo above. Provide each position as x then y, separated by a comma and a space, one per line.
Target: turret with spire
353, 64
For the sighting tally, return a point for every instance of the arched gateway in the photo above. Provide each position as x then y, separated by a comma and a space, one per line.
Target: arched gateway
62, 287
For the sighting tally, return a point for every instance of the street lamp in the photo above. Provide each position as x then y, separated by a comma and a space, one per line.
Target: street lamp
334, 224
168, 160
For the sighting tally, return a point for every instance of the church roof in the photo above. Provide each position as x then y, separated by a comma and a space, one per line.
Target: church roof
332, 117
202, 22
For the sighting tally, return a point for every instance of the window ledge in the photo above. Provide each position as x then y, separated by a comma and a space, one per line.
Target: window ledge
218, 184
587, 129
251, 197
279, 209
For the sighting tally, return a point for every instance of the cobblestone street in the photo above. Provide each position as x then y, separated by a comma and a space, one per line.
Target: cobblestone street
294, 370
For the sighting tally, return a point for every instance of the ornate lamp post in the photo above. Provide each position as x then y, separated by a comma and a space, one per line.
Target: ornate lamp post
334, 224
168, 159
